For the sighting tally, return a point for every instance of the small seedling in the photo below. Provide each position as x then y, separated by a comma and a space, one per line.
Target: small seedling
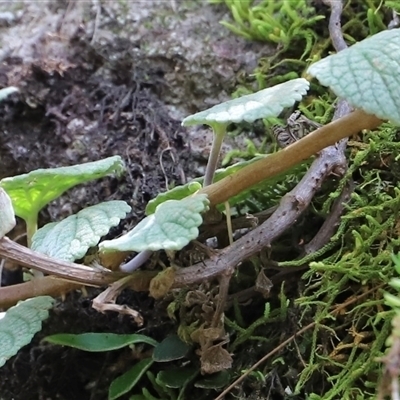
29, 193
263, 104
174, 224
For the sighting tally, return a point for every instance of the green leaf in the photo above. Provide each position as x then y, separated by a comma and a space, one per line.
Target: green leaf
96, 342
366, 74
174, 224
396, 261
214, 381
124, 383
177, 193
391, 300
183, 191
70, 239
263, 104
31, 192
170, 349
20, 323
267, 188
7, 216
395, 283
177, 378
148, 396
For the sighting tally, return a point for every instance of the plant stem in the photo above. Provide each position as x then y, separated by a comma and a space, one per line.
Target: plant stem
48, 285
49, 265
31, 228
219, 134
136, 261
66, 276
283, 160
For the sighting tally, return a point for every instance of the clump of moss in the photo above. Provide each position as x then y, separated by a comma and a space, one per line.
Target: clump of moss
343, 349
341, 293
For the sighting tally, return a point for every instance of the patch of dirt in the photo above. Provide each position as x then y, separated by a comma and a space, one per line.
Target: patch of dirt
98, 79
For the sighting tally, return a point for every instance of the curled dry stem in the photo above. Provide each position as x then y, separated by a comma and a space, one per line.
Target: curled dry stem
106, 300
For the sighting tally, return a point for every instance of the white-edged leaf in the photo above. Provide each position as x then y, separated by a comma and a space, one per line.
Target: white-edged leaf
173, 225
263, 104
366, 74
20, 324
71, 238
7, 216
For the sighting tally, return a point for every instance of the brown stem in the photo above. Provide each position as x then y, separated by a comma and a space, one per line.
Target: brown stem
331, 223
283, 160
70, 271
335, 26
72, 275
48, 285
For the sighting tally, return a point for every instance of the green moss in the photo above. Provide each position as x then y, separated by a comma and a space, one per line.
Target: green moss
342, 351
299, 31
338, 356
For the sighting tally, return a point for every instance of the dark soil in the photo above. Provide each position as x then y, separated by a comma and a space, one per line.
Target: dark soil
82, 100
83, 117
